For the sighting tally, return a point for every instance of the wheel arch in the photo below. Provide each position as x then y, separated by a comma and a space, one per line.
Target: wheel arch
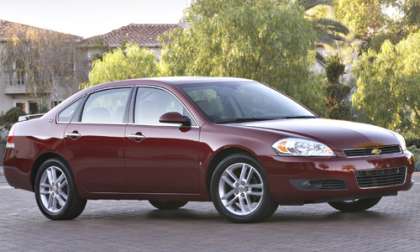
219, 156
41, 159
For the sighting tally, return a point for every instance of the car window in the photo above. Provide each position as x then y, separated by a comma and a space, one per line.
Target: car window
107, 106
67, 114
152, 103
242, 101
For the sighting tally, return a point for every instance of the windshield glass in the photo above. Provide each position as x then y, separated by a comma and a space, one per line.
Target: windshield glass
242, 101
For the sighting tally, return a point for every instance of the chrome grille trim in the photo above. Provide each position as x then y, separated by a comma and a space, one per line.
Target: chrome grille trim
389, 149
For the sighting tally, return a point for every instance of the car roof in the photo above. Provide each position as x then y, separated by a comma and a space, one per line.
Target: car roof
170, 81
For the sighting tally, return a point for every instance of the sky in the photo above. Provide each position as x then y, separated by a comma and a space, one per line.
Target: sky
91, 17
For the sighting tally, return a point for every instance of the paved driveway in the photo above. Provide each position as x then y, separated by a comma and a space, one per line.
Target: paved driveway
393, 225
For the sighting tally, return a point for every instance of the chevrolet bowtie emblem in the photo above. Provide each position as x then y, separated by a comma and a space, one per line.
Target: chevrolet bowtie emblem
376, 151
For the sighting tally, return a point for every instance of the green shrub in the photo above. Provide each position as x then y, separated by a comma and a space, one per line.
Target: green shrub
11, 117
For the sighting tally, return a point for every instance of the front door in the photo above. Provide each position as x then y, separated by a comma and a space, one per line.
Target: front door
94, 142
161, 158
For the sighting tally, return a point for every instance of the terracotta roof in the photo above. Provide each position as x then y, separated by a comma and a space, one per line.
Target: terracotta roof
8, 29
145, 35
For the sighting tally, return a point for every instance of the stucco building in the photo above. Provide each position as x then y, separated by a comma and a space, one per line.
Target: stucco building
14, 86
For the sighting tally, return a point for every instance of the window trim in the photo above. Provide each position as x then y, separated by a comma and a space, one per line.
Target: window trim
76, 112
86, 96
194, 123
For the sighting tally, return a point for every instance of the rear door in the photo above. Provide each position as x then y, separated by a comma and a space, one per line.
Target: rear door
94, 142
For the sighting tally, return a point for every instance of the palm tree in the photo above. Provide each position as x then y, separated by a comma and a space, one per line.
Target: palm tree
329, 31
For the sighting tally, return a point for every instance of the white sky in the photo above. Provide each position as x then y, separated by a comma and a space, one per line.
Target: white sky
91, 17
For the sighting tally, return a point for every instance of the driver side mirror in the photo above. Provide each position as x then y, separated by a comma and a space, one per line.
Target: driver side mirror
175, 118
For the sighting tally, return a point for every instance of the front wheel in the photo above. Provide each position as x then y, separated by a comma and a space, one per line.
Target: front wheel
239, 190
356, 205
56, 193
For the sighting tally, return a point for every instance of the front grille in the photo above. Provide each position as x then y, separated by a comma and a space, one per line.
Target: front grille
372, 151
381, 178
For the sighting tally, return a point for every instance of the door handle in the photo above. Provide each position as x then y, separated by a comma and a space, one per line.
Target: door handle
136, 136
73, 135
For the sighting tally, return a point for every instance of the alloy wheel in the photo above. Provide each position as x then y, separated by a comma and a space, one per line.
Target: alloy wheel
54, 189
241, 189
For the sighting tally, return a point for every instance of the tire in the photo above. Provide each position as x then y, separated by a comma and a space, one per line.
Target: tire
167, 205
51, 199
356, 205
241, 201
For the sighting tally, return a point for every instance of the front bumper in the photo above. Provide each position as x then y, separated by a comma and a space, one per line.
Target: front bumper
285, 174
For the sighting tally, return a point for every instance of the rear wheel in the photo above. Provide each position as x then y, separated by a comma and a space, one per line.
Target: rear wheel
167, 205
239, 190
56, 193
356, 205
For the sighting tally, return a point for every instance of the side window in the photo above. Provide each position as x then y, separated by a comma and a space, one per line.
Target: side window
67, 114
107, 106
152, 103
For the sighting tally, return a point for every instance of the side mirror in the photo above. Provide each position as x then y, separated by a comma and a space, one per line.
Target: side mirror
175, 118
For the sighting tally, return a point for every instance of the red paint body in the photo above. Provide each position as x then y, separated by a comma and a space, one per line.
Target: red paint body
176, 162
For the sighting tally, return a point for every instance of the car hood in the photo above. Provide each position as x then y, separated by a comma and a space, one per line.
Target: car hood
335, 133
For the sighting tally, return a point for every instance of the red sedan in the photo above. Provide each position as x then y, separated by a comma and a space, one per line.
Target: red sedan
235, 142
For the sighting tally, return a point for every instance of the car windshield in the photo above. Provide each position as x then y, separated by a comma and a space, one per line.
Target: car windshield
242, 101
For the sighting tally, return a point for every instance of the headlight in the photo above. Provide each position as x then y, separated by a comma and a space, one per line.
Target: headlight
302, 147
402, 141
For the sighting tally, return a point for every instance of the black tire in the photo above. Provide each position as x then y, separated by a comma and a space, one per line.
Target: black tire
167, 205
74, 205
265, 209
356, 205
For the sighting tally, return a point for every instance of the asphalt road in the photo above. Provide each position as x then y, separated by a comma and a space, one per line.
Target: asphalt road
393, 225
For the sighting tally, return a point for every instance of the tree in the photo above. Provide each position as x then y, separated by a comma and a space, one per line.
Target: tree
329, 31
128, 62
41, 59
337, 104
388, 86
363, 17
255, 39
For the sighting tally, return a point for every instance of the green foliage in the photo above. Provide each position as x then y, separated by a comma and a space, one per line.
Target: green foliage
361, 16
337, 105
128, 62
388, 86
10, 117
264, 40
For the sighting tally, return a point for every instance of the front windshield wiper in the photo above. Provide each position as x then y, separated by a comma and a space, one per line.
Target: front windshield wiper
298, 117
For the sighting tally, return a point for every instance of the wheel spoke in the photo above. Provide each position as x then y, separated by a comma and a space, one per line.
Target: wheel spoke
62, 185
229, 203
255, 193
227, 180
63, 196
249, 177
248, 202
242, 205
244, 170
50, 176
61, 178
60, 201
227, 195
260, 186
50, 202
233, 176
